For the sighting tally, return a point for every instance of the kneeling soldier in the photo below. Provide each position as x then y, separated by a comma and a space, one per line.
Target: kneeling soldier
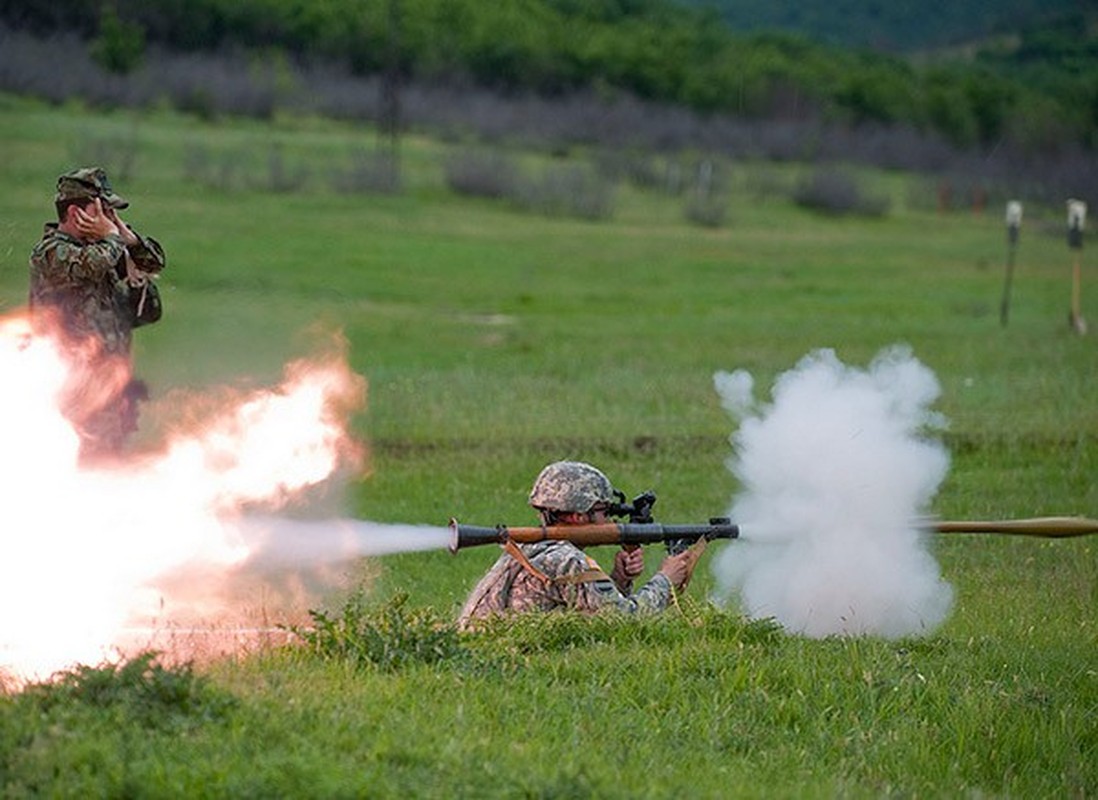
557, 574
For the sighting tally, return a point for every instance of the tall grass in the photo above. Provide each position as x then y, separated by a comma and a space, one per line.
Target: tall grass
495, 341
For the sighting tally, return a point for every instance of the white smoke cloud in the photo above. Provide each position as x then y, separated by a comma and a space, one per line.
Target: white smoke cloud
833, 473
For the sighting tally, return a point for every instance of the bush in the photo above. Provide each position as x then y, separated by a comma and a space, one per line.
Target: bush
706, 210
281, 176
390, 638
366, 173
218, 171
640, 169
570, 191
566, 190
836, 192
481, 174
116, 153
140, 690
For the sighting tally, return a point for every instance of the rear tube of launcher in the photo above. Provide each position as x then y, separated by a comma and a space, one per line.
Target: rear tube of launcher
462, 536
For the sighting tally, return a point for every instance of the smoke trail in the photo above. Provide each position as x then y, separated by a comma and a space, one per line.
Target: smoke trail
312, 556
290, 565
833, 473
279, 542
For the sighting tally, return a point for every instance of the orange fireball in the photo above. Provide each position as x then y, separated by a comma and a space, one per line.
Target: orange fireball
86, 549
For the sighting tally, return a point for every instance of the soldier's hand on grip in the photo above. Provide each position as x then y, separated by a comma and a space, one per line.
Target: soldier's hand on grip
628, 564
680, 568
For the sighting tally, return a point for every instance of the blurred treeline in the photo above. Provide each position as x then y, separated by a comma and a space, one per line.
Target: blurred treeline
898, 26
1036, 91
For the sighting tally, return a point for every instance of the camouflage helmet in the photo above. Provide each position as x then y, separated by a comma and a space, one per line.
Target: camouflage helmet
571, 486
87, 183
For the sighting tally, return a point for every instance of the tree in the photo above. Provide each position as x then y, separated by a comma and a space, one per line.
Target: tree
120, 45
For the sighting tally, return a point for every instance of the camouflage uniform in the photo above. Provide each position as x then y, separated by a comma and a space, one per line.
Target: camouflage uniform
575, 581
81, 288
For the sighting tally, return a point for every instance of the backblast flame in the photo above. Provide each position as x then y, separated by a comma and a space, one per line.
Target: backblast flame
86, 548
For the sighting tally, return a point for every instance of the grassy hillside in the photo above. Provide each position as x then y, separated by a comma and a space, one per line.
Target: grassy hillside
495, 340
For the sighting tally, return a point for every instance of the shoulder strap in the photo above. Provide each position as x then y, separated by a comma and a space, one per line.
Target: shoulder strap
590, 575
516, 553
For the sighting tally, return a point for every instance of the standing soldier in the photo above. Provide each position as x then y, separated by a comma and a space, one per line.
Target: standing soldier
557, 574
90, 286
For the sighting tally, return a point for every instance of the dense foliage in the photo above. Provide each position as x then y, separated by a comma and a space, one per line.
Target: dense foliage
898, 26
1042, 91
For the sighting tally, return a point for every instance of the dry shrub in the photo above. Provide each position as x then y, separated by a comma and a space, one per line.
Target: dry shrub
479, 173
833, 191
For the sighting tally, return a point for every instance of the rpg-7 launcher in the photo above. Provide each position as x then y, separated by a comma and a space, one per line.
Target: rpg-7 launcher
639, 530
462, 536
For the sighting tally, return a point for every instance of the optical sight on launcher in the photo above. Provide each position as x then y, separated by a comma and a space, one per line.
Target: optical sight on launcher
639, 512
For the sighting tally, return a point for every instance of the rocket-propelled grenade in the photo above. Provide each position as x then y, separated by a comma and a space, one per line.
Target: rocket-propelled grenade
1048, 527
462, 536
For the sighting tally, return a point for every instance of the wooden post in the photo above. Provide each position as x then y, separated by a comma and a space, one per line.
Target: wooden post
1014, 223
1077, 214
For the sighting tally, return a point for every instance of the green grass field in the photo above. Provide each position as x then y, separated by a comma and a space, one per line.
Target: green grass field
495, 341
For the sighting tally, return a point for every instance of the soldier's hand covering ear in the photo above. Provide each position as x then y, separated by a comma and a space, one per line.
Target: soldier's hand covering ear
128, 236
93, 223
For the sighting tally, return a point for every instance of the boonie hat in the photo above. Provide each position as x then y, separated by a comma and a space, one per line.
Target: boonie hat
88, 183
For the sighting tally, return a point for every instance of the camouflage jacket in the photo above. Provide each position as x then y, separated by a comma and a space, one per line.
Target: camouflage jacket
574, 581
85, 283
